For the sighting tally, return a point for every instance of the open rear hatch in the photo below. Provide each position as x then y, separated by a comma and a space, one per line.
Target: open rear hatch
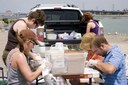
61, 21
60, 27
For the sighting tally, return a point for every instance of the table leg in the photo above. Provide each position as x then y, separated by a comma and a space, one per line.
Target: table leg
37, 81
90, 81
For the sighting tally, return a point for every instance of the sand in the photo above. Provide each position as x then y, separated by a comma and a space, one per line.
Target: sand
121, 40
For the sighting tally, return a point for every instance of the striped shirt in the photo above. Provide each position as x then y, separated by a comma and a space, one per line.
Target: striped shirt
116, 58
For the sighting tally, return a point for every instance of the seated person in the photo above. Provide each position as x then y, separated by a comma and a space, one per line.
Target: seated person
86, 45
18, 70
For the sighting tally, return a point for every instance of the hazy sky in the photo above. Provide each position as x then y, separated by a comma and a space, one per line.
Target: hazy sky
26, 5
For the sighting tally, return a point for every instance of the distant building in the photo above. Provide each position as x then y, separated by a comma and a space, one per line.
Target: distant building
9, 14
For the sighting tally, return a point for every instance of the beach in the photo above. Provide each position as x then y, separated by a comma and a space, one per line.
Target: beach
120, 39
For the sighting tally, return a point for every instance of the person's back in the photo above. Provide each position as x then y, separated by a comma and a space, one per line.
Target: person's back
95, 29
92, 25
14, 75
12, 41
119, 76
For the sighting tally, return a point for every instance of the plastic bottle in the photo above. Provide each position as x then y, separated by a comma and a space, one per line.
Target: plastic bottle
60, 80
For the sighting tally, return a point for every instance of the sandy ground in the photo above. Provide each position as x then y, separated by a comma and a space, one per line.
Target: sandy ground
120, 40
3, 40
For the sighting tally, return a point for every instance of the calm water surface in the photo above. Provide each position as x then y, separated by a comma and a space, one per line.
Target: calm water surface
112, 25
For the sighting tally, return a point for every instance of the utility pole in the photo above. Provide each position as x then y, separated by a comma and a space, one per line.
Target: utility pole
113, 7
83, 5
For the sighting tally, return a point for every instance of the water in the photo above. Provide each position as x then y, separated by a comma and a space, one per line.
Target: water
111, 24
115, 24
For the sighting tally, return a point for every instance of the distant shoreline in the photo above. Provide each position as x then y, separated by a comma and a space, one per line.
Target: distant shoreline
111, 16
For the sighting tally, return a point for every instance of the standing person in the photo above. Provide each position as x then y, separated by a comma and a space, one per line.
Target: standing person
18, 70
92, 25
113, 65
31, 21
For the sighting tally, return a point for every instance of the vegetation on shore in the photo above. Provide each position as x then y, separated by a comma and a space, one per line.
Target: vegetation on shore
8, 20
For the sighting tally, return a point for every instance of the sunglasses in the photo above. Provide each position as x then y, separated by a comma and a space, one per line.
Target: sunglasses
33, 42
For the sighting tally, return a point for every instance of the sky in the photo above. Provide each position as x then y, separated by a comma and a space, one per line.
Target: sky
25, 5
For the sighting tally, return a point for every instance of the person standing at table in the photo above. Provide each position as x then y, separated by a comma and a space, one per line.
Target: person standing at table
92, 25
18, 70
113, 67
31, 21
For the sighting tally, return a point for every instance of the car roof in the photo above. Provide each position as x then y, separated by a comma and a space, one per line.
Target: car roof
55, 6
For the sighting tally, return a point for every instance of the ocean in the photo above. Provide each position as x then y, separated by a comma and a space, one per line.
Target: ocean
112, 23
116, 24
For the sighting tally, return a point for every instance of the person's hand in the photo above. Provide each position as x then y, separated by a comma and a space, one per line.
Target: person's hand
42, 65
45, 72
92, 63
50, 79
46, 67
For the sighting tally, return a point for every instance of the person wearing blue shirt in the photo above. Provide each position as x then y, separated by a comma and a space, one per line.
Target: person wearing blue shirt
112, 67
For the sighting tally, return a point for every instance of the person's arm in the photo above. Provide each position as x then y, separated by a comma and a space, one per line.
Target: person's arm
104, 67
88, 28
23, 66
19, 25
34, 56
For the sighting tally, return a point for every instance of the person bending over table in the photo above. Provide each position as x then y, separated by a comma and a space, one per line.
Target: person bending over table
33, 20
113, 66
86, 46
18, 70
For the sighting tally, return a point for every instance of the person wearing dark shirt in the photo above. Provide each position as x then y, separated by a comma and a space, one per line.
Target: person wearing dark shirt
33, 19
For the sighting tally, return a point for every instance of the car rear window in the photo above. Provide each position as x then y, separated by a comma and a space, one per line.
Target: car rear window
55, 14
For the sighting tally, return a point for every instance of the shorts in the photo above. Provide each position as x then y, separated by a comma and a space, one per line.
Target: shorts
4, 56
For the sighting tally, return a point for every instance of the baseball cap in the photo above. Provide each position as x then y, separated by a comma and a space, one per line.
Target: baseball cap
28, 34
